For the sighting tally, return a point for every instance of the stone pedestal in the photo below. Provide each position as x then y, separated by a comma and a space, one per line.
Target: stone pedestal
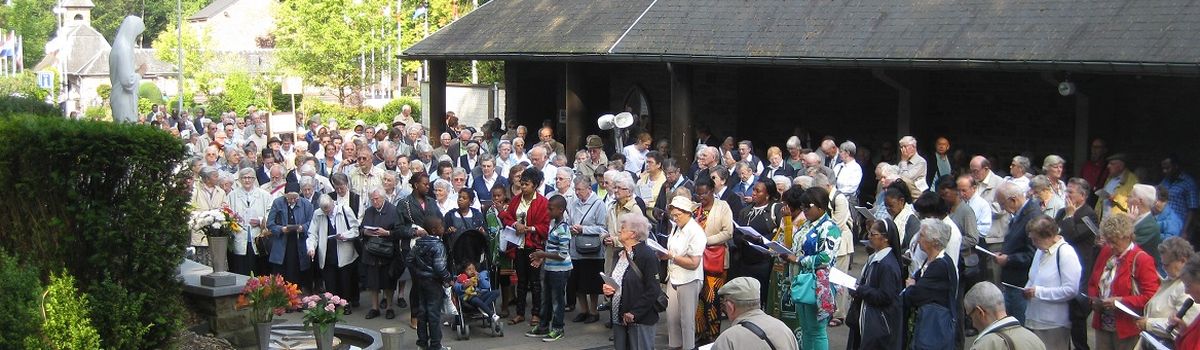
217, 305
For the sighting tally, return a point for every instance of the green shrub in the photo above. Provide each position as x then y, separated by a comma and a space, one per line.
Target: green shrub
10, 105
97, 113
144, 106
345, 116
110, 207
67, 325
393, 107
283, 102
240, 93
104, 91
112, 305
216, 105
23, 85
21, 295
151, 92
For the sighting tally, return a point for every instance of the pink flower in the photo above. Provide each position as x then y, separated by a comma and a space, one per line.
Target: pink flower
328, 295
335, 299
312, 304
330, 307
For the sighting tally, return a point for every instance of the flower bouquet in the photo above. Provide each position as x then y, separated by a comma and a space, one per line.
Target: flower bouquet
215, 223
267, 297
321, 312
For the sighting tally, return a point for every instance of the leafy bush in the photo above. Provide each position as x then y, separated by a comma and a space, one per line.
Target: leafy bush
240, 93
22, 297
10, 105
345, 116
23, 85
104, 91
151, 92
144, 106
393, 107
116, 211
216, 105
97, 113
111, 304
283, 102
67, 325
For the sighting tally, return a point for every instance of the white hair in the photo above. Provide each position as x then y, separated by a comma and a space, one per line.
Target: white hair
890, 170
444, 185
781, 180
637, 223
935, 231
803, 181
793, 142
1009, 189
908, 141
1146, 194
308, 181
1051, 160
984, 295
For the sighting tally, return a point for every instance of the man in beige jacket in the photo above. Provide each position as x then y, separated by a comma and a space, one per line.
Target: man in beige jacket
751, 327
998, 331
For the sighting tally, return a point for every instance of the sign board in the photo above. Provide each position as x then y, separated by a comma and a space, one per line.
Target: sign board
293, 86
45, 80
282, 123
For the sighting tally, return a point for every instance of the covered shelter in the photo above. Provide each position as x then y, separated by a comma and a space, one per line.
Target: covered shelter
1006, 77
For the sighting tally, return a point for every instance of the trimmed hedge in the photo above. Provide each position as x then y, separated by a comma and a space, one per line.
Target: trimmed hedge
105, 202
393, 107
10, 105
21, 296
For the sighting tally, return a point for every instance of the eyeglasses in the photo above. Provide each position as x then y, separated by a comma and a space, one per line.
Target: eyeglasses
249, 177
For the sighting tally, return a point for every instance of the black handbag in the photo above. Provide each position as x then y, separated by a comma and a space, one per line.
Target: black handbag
382, 247
587, 244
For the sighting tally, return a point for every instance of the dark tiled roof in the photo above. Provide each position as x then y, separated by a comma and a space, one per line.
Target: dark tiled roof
1061, 34
213, 9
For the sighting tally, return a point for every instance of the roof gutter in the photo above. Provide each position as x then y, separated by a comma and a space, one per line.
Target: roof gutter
1112, 67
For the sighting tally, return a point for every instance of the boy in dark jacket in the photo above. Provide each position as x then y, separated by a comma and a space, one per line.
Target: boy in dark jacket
430, 276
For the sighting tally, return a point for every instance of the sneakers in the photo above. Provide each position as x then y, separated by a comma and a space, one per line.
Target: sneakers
554, 335
537, 332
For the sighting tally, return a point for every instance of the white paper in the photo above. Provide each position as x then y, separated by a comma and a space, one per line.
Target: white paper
610, 281
1091, 225
866, 213
842, 279
760, 249
370, 228
1149, 339
706, 347
750, 231
985, 251
654, 245
1006, 284
779, 248
508, 234
1126, 309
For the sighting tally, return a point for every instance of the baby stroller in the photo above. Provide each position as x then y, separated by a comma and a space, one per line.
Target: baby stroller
474, 246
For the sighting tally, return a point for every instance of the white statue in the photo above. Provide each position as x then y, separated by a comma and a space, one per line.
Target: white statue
121, 72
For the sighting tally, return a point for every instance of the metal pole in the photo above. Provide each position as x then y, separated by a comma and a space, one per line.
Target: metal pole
399, 47
179, 51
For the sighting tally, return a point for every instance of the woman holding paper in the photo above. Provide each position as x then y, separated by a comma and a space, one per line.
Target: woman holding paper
685, 247
756, 226
813, 248
1124, 274
1171, 294
874, 303
714, 216
637, 290
1053, 284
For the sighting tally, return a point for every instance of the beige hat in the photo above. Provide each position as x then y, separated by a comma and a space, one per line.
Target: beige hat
682, 203
741, 289
593, 141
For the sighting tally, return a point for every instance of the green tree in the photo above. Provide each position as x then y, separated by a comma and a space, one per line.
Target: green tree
322, 40
34, 21
239, 91
156, 14
197, 56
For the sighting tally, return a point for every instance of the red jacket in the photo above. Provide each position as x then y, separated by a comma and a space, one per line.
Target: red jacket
1190, 338
1122, 287
537, 217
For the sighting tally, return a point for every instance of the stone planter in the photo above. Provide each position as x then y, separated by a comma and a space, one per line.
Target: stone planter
219, 248
324, 336
263, 331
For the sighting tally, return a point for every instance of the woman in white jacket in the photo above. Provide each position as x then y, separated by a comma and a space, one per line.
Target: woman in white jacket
251, 203
337, 226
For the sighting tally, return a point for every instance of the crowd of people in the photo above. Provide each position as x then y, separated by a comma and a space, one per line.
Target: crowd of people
729, 250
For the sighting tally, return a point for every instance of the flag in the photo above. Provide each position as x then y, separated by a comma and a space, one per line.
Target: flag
8, 44
20, 53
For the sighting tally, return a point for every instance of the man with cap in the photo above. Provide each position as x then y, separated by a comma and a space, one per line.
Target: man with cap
1113, 193
751, 327
596, 158
288, 223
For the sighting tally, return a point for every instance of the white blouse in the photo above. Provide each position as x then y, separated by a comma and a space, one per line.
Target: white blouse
1055, 272
688, 241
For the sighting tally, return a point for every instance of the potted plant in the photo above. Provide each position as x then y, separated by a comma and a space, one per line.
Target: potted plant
217, 226
321, 313
267, 297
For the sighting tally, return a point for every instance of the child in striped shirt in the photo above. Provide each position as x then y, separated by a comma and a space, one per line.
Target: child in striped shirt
555, 261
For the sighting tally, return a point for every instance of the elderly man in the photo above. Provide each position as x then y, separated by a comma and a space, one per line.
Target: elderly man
847, 174
751, 327
984, 305
1016, 255
941, 166
986, 183
539, 157
674, 181
1114, 193
813, 166
365, 176
745, 151
278, 179
288, 222
829, 153
1147, 234
1073, 228
706, 159
981, 210
596, 159
445, 143
912, 165
546, 136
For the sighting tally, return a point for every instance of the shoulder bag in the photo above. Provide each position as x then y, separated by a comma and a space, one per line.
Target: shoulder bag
933, 321
585, 243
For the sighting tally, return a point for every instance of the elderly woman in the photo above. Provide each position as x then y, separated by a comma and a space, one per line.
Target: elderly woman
775, 165
1123, 273
1020, 171
814, 247
722, 190
685, 249
623, 202
650, 183
1053, 284
637, 288
745, 180
1041, 188
331, 244
586, 214
762, 214
1189, 337
874, 307
715, 217
441, 196
251, 204
795, 153
1052, 167
934, 285
1176, 252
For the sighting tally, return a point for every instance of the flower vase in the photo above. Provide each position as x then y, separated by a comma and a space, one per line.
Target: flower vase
263, 331
219, 248
324, 336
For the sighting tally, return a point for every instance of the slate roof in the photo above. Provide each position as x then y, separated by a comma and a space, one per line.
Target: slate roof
1095, 35
212, 9
78, 3
86, 54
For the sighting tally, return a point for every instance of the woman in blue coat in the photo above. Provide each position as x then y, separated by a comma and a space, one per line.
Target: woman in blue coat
874, 304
